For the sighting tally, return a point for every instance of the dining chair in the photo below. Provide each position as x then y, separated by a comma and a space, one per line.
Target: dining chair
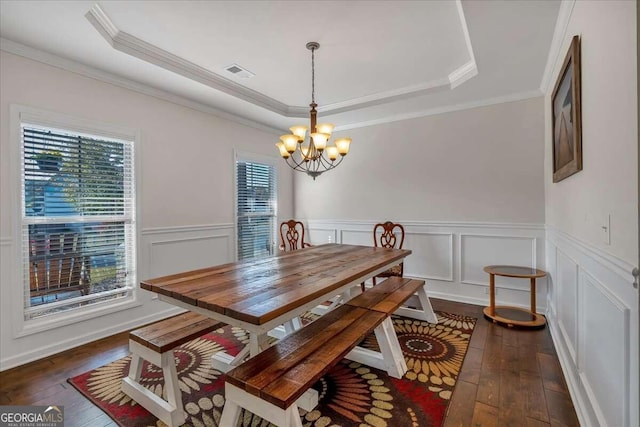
292, 236
388, 235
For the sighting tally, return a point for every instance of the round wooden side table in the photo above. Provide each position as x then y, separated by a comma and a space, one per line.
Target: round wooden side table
514, 316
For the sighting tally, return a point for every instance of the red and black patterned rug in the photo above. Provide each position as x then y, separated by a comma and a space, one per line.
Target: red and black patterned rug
351, 394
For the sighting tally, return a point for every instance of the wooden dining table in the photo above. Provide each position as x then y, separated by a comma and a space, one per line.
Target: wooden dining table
259, 295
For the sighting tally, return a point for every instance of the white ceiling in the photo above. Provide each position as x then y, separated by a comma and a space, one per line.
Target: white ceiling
378, 60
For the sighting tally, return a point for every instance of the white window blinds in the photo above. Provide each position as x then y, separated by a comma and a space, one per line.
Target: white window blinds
78, 219
256, 209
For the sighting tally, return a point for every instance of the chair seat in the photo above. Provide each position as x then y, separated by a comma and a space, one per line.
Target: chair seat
396, 270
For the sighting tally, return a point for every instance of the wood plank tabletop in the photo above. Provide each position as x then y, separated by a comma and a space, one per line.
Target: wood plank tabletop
257, 291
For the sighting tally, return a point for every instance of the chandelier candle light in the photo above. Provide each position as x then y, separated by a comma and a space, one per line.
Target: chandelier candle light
315, 157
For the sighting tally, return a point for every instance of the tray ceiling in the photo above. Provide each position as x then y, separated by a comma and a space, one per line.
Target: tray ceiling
378, 60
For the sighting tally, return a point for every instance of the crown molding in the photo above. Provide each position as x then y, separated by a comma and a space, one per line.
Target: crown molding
47, 58
131, 45
564, 15
463, 74
138, 48
383, 97
447, 109
470, 69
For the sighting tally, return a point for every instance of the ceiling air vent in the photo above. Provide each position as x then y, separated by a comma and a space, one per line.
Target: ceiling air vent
238, 71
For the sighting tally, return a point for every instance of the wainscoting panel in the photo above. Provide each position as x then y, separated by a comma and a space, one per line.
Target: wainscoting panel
170, 251
434, 258
326, 235
477, 251
567, 298
593, 318
602, 369
450, 255
356, 237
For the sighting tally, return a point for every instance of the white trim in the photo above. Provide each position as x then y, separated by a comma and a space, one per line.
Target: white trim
442, 287
384, 97
619, 266
51, 119
445, 109
76, 300
185, 228
470, 69
451, 254
569, 341
587, 279
564, 15
462, 74
493, 236
414, 223
579, 402
483, 302
138, 48
20, 114
6, 241
106, 77
611, 276
41, 352
131, 45
77, 315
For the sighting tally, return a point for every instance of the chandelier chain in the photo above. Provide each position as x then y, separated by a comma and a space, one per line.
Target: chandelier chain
313, 77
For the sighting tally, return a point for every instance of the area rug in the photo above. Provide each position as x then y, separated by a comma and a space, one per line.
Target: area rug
351, 394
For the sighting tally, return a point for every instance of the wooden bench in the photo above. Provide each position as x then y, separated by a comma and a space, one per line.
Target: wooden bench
271, 383
392, 285
388, 296
155, 343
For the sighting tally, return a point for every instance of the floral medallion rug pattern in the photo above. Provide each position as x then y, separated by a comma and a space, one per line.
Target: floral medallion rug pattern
351, 394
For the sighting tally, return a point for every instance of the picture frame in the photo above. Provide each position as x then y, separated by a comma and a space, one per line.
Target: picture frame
566, 116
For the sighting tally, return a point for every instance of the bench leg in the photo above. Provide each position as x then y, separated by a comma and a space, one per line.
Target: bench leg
392, 355
135, 368
292, 325
170, 411
426, 312
171, 386
236, 398
230, 413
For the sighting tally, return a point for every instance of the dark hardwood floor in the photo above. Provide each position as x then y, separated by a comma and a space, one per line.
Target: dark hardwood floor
509, 378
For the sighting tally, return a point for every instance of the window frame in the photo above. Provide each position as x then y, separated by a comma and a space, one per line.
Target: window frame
20, 114
239, 155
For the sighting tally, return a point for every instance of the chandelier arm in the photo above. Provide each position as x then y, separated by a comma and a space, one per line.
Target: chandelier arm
297, 165
334, 163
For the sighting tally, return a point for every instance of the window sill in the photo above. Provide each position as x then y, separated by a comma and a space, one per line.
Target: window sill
25, 328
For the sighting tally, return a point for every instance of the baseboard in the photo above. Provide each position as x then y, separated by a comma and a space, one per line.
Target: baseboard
42, 352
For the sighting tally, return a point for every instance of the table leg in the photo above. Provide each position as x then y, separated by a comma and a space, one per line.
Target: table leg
492, 294
533, 295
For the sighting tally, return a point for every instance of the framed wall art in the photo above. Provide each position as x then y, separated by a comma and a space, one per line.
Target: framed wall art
566, 116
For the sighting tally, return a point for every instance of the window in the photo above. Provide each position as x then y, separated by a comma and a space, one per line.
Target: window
256, 197
77, 219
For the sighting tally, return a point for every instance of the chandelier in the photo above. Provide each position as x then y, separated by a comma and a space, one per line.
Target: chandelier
316, 156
